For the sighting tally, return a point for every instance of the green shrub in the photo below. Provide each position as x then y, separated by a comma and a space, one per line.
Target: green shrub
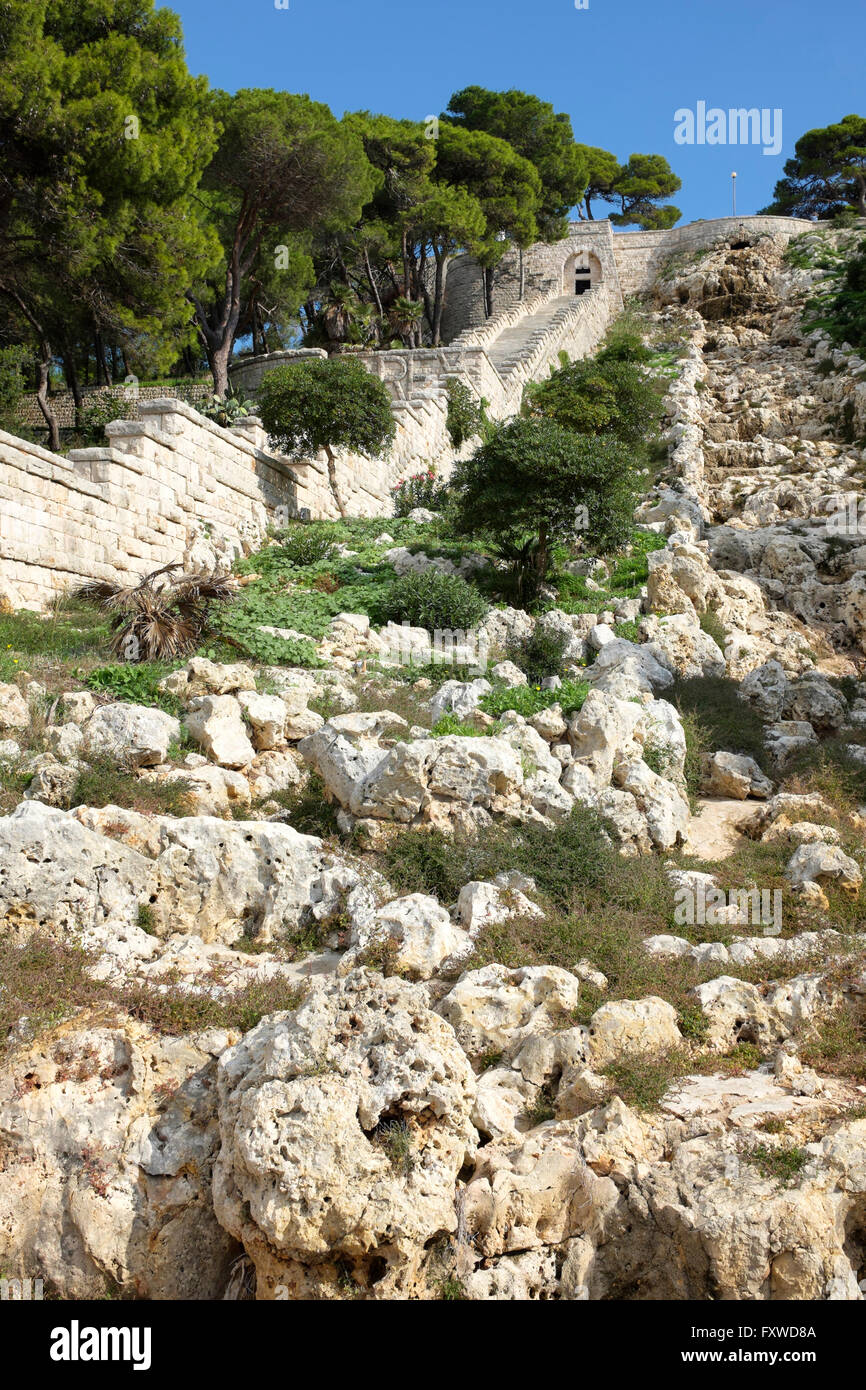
136, 682
309, 811
101, 410
465, 414
311, 405
608, 393
784, 1163
715, 717
536, 485
528, 700
569, 856
841, 312
713, 626
303, 543
12, 385
541, 655
438, 602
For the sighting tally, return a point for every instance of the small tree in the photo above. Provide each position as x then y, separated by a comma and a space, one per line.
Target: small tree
308, 406
536, 485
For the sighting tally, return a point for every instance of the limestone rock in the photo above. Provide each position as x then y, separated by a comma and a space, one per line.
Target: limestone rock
736, 776
497, 1008
632, 1028
107, 1156
344, 1127
132, 735
216, 723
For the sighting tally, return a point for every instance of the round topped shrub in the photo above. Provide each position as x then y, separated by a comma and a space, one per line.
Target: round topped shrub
434, 601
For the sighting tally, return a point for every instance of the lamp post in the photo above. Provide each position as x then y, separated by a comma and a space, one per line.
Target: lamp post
733, 194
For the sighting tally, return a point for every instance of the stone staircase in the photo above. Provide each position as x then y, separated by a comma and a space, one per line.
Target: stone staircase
519, 343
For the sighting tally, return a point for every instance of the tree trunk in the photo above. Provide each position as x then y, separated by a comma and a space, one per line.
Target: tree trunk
70, 371
488, 291
861, 193
43, 374
332, 479
371, 281
101, 379
439, 295
219, 366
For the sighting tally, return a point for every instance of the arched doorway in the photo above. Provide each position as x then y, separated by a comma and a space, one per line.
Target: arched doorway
582, 272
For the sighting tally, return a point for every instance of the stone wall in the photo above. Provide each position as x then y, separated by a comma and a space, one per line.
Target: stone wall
641, 255
631, 260
63, 402
169, 486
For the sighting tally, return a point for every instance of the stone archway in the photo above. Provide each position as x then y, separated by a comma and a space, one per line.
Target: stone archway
582, 272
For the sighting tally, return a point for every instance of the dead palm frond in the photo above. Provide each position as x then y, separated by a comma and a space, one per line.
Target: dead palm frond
161, 618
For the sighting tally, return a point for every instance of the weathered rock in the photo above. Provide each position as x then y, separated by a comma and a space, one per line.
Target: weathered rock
734, 775
14, 711
216, 723
632, 1028
344, 1126
416, 934
497, 1008
132, 735
266, 716
107, 1153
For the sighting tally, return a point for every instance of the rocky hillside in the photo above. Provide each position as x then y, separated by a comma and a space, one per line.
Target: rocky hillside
329, 972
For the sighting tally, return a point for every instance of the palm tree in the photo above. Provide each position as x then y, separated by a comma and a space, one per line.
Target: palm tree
162, 617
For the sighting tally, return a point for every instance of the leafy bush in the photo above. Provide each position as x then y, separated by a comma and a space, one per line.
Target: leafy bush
608, 393
137, 683
714, 716
92, 418
304, 543
842, 311
434, 601
540, 655
465, 413
528, 700
419, 490
536, 485
572, 855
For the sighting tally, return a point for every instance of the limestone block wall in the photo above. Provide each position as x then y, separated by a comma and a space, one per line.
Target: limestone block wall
641, 255
169, 486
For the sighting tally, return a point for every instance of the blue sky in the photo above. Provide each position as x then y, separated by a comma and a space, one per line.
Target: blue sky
620, 68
